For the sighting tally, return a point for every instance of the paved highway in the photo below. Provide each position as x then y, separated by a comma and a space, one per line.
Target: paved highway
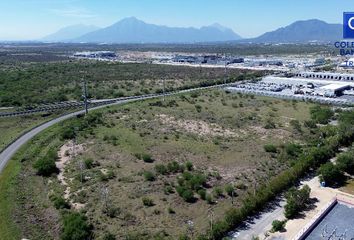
11, 149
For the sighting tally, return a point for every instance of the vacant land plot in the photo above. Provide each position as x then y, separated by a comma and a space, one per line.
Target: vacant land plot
35, 83
145, 170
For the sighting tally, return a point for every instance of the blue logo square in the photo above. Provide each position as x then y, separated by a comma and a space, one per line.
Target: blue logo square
348, 25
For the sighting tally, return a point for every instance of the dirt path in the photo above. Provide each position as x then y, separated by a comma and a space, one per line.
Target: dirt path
66, 153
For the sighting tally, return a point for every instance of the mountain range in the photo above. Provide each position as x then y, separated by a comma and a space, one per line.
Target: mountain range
303, 31
133, 30
70, 32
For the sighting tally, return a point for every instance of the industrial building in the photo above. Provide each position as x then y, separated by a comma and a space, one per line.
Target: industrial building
332, 90
96, 54
324, 75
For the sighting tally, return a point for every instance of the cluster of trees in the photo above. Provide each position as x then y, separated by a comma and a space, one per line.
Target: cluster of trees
53, 82
333, 174
320, 114
296, 201
318, 152
82, 123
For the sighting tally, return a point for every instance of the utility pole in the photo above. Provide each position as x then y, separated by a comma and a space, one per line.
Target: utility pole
84, 90
164, 89
225, 70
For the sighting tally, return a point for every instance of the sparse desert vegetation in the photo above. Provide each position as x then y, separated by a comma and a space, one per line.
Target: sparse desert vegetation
150, 166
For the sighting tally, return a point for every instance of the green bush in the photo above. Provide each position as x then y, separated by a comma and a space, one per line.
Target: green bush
108, 236
202, 193
229, 189
217, 192
185, 193
45, 166
148, 202
59, 202
75, 227
330, 174
149, 176
278, 226
88, 163
189, 166
270, 148
174, 167
147, 158
320, 114
209, 199
161, 169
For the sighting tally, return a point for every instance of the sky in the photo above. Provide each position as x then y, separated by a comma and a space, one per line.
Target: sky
33, 19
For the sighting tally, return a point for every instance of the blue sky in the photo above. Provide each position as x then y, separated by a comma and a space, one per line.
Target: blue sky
32, 19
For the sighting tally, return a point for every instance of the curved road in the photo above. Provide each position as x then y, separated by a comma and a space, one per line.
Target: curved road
11, 149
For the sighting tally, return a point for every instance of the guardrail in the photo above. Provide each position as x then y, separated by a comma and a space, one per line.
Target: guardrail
51, 108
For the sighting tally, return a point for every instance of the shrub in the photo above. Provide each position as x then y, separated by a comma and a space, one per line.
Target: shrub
108, 236
310, 124
75, 227
198, 108
293, 149
59, 202
320, 114
68, 133
147, 158
229, 189
197, 181
45, 166
218, 192
168, 190
109, 175
202, 193
161, 169
209, 199
171, 211
112, 211
278, 226
185, 193
88, 163
270, 124
148, 202
149, 176
174, 167
189, 166
270, 148
296, 125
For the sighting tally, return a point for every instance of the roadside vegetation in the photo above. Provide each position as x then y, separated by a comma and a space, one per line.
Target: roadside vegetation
151, 166
39, 83
13, 127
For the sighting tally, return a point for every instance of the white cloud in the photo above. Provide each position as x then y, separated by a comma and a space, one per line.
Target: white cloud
73, 13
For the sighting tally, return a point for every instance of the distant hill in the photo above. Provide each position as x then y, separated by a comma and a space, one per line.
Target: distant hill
303, 31
70, 32
133, 30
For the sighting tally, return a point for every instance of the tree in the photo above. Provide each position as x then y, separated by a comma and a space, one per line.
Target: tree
45, 166
75, 227
345, 162
330, 174
297, 200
